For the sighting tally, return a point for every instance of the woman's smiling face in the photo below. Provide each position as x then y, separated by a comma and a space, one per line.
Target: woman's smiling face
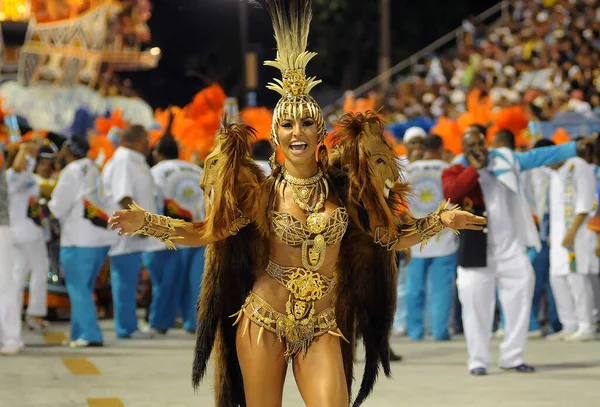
298, 139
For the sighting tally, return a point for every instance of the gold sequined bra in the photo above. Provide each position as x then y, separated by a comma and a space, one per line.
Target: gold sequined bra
314, 234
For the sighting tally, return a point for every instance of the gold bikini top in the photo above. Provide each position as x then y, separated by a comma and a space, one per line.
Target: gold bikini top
314, 234
293, 231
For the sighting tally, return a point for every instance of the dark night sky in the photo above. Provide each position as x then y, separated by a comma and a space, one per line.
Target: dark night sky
200, 41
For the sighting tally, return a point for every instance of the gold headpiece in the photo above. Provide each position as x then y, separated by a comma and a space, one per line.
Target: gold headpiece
291, 23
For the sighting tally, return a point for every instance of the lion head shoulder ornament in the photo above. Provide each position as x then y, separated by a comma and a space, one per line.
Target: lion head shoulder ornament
291, 23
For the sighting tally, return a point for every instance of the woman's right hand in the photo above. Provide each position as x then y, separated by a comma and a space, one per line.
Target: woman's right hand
127, 221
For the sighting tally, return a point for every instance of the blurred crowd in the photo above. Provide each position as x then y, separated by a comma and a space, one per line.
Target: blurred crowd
545, 58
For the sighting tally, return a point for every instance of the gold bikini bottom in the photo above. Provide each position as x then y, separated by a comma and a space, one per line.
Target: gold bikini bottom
296, 334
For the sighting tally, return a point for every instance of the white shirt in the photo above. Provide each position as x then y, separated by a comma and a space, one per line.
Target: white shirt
425, 177
503, 240
178, 185
23, 191
127, 174
582, 176
179, 182
79, 203
264, 166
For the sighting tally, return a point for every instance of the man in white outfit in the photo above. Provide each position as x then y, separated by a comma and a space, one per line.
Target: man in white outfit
10, 321
127, 178
487, 184
573, 263
78, 202
31, 254
180, 195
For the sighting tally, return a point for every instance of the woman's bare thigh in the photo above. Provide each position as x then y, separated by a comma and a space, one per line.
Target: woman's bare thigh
263, 365
320, 374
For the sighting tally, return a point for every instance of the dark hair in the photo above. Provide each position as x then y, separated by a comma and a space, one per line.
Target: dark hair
262, 150
78, 146
544, 142
167, 147
506, 138
480, 127
134, 134
44, 152
432, 142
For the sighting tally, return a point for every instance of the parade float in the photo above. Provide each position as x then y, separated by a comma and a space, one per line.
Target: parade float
59, 61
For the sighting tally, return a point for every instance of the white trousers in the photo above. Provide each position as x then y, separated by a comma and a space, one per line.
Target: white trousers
515, 280
10, 317
574, 299
32, 257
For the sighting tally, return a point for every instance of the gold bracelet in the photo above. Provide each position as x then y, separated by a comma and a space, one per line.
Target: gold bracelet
158, 226
238, 224
384, 238
429, 226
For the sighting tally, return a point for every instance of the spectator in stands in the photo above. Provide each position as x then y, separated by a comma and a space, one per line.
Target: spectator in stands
79, 203
10, 315
435, 265
127, 178
572, 260
262, 150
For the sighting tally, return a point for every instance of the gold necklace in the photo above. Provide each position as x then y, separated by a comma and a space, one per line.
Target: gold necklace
309, 194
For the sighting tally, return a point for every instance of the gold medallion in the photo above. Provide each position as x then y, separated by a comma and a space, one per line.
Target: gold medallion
316, 222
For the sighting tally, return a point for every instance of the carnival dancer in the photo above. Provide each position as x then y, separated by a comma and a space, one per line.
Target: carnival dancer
31, 254
310, 248
487, 183
573, 262
435, 265
10, 315
79, 204
178, 286
127, 178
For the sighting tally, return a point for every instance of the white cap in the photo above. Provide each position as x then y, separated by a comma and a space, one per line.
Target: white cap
413, 132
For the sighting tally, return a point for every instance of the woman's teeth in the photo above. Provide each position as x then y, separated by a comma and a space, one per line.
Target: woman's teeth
298, 146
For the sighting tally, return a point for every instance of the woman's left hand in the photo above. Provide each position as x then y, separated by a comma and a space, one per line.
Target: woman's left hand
457, 219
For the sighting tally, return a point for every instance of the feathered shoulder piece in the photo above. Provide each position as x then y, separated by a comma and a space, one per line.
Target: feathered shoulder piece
231, 178
291, 25
372, 168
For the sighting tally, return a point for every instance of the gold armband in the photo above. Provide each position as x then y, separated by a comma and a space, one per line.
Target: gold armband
384, 238
238, 223
429, 226
158, 226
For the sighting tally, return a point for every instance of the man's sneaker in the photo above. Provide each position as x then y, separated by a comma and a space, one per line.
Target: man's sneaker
499, 334
559, 336
580, 337
82, 343
535, 334
36, 324
10, 350
140, 335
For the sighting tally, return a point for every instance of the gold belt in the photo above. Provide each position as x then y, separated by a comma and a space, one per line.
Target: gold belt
305, 287
297, 335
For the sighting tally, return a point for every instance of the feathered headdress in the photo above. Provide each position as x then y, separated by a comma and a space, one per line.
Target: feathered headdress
291, 24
